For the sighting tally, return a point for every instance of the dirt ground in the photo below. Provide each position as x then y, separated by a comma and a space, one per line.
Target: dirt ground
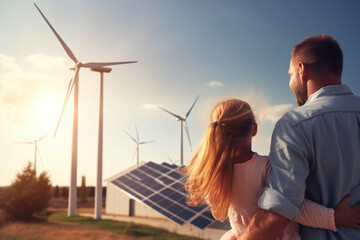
55, 231
78, 210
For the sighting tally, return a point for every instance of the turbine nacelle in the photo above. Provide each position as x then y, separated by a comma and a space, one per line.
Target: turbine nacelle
74, 65
101, 69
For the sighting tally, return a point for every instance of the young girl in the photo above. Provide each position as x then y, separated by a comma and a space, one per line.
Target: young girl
226, 174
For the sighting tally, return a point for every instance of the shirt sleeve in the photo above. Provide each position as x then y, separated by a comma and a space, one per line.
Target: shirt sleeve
288, 156
316, 216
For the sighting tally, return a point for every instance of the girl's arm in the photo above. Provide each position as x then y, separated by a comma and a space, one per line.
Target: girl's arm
319, 216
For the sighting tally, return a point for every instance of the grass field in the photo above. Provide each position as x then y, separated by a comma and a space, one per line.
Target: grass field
59, 227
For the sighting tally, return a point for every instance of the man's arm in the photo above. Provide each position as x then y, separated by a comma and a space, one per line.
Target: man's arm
280, 201
264, 223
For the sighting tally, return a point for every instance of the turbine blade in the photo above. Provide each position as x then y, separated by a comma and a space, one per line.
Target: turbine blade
66, 48
187, 114
103, 64
146, 142
68, 92
170, 159
177, 116
25, 142
137, 134
130, 136
44, 136
188, 134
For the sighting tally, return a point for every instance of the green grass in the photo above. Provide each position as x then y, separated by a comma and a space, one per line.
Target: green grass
139, 231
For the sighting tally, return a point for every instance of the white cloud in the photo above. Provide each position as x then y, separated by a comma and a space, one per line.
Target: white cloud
150, 106
8, 63
45, 61
214, 84
273, 113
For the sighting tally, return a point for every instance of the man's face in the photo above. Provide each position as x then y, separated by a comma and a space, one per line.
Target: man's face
295, 85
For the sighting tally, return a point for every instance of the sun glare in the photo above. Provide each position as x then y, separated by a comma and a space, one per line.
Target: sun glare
47, 110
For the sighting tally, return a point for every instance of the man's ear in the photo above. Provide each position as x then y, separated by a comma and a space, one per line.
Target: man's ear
303, 72
254, 130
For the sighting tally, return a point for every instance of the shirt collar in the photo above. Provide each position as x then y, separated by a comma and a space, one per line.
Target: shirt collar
330, 90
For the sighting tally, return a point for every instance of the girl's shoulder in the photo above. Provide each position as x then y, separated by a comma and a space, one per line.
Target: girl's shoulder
256, 160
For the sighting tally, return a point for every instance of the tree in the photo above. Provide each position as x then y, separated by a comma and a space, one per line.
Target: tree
83, 190
27, 195
57, 192
64, 192
91, 191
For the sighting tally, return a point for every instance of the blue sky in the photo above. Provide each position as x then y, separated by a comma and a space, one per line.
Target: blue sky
215, 49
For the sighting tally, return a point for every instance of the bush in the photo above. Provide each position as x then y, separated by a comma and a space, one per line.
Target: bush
27, 195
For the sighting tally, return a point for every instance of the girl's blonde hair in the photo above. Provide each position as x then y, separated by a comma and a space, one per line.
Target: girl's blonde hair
211, 168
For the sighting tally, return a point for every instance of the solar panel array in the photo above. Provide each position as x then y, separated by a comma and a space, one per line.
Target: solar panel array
161, 187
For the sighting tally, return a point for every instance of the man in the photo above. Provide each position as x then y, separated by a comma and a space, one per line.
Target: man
315, 148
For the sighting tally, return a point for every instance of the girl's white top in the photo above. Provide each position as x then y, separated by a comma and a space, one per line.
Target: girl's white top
249, 180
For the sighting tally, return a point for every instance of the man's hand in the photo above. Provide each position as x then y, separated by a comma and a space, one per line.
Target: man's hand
347, 216
264, 225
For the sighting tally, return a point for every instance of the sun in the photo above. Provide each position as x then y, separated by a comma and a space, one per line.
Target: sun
47, 109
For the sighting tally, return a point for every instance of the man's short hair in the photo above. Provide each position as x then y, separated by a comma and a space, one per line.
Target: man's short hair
321, 52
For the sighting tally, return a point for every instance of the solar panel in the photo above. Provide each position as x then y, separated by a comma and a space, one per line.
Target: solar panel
169, 166
166, 180
161, 187
175, 175
201, 222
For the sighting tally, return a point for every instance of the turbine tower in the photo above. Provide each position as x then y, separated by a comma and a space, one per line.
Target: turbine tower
74, 84
182, 123
137, 143
98, 187
37, 151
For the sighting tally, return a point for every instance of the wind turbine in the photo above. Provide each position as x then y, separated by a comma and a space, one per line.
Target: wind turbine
37, 151
182, 122
74, 83
172, 161
137, 143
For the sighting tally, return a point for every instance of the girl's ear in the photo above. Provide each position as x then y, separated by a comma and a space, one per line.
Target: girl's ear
254, 130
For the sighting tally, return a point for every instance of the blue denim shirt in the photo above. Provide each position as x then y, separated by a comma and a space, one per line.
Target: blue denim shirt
315, 154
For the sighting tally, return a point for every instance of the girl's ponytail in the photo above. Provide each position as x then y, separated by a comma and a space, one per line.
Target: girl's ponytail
211, 168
